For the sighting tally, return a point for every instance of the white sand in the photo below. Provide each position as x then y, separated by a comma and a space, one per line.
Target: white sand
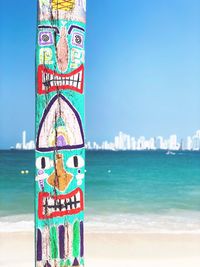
113, 250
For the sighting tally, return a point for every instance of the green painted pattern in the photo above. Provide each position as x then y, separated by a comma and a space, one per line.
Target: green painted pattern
76, 239
68, 263
54, 242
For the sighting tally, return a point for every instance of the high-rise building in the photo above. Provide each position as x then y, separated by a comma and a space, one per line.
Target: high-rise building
18, 146
117, 142
128, 142
195, 143
188, 143
152, 143
159, 142
141, 143
133, 143
24, 140
30, 145
173, 143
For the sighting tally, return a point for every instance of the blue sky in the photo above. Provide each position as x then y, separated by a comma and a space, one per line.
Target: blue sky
143, 68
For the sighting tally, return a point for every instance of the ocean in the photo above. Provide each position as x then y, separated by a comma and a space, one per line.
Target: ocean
137, 191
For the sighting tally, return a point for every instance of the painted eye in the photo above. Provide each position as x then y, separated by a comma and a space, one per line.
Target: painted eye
77, 39
75, 162
45, 38
44, 163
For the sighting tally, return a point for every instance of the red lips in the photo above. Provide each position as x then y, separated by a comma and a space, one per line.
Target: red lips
59, 205
49, 80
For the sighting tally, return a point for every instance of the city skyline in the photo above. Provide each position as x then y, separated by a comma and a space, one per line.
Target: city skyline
125, 141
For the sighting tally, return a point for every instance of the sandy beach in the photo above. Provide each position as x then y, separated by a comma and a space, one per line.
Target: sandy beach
113, 250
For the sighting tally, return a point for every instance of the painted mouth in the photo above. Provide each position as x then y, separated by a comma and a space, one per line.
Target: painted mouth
49, 80
57, 206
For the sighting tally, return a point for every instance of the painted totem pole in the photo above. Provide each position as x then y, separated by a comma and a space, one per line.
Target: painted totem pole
60, 155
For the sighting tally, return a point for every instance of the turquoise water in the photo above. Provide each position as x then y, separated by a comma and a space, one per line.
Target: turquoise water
133, 190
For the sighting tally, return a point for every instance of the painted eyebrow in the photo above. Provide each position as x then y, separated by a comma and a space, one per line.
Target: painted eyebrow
76, 27
49, 27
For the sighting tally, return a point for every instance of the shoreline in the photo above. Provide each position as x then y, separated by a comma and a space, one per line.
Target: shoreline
185, 223
113, 249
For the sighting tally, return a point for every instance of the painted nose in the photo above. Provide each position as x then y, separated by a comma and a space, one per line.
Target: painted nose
62, 51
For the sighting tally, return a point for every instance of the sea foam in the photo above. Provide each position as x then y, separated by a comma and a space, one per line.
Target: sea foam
118, 223
17, 223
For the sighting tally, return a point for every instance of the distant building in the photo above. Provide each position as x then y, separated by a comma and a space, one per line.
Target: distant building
159, 142
24, 140
25, 145
195, 143
173, 142
188, 143
133, 143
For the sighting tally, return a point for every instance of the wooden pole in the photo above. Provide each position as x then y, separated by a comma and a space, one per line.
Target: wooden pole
60, 154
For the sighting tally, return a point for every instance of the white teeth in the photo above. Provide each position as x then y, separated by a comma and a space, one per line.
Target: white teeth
62, 201
52, 205
50, 202
50, 210
80, 79
80, 75
76, 77
74, 80
78, 196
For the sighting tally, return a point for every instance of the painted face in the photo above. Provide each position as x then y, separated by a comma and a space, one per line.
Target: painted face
60, 155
